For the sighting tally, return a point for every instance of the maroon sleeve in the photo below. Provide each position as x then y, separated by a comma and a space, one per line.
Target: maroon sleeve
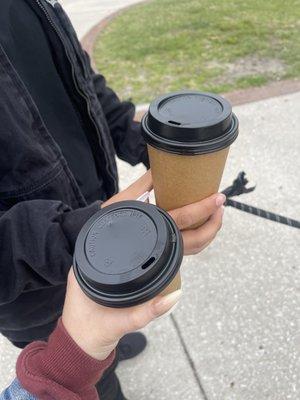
59, 369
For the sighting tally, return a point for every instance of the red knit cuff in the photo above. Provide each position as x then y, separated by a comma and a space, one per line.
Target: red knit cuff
60, 369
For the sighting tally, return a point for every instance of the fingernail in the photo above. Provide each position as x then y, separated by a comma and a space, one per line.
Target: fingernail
163, 305
166, 314
220, 200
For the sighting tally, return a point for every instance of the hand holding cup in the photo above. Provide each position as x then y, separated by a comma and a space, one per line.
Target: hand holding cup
97, 329
209, 209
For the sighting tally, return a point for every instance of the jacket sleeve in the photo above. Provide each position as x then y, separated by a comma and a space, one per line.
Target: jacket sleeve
126, 133
60, 369
36, 246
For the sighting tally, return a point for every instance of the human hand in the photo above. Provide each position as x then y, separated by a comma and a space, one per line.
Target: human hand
97, 329
211, 208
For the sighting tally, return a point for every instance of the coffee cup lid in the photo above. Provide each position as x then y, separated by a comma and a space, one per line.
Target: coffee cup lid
127, 253
190, 122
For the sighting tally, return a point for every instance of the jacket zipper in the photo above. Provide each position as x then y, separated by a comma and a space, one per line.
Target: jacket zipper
53, 2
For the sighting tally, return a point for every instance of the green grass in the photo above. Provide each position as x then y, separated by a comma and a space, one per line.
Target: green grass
218, 46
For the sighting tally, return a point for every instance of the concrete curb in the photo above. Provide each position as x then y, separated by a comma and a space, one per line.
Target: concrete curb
236, 97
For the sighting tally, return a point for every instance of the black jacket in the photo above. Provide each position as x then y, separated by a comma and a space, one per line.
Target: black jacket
41, 206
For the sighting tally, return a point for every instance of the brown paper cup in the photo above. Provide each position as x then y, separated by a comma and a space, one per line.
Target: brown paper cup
179, 180
188, 134
173, 286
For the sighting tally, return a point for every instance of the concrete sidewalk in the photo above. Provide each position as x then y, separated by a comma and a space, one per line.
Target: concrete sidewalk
87, 13
236, 333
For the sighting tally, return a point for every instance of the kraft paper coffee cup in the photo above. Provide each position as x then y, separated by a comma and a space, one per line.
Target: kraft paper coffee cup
128, 253
188, 135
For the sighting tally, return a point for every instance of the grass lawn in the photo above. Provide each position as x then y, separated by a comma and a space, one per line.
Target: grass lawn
218, 46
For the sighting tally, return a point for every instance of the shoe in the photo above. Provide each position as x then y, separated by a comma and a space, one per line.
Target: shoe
131, 345
120, 397
109, 387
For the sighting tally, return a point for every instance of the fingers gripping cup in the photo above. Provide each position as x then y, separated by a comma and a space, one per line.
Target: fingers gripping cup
127, 253
188, 135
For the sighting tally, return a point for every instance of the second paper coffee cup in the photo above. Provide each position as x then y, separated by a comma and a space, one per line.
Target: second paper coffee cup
188, 135
128, 253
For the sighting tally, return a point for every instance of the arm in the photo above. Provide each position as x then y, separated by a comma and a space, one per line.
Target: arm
36, 246
82, 345
80, 349
126, 133
58, 369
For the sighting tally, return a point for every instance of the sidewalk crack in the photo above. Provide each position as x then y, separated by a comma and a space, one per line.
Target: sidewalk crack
189, 358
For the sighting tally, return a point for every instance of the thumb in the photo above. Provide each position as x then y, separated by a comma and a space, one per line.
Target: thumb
142, 315
163, 304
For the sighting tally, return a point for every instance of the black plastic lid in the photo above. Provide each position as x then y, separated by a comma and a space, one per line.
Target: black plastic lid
127, 253
190, 122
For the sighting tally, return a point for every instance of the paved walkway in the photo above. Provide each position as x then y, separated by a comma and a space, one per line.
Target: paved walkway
87, 13
235, 335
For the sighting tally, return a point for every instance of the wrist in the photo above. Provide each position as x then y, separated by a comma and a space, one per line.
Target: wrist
59, 368
97, 351
90, 341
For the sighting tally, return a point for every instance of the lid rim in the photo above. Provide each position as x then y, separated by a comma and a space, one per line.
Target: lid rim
116, 302
156, 103
190, 148
190, 122
148, 289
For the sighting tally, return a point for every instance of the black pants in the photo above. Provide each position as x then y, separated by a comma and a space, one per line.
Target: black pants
108, 387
